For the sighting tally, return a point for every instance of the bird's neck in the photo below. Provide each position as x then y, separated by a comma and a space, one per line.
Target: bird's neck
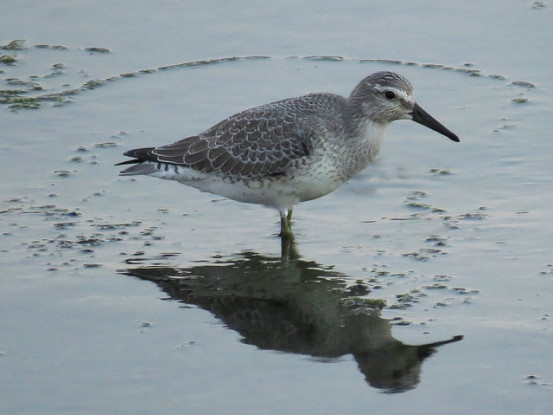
364, 143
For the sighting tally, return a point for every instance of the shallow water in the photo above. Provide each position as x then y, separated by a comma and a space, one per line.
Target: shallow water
450, 239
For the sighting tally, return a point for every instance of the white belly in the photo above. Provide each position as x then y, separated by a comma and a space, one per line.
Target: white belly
280, 192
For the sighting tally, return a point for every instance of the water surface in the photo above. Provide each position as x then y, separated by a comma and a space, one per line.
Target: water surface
433, 240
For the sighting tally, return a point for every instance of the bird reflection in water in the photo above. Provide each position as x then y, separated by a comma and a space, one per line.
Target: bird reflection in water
297, 306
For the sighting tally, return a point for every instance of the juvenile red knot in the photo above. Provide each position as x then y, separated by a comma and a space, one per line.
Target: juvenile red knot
289, 151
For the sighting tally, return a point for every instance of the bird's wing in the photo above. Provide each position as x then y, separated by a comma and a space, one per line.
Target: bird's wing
261, 141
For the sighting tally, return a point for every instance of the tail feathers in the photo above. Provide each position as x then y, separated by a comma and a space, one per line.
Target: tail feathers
140, 155
142, 168
134, 161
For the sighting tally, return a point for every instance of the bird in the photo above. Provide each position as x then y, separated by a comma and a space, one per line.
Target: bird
288, 151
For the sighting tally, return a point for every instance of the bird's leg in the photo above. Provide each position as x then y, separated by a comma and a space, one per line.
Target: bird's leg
288, 250
286, 224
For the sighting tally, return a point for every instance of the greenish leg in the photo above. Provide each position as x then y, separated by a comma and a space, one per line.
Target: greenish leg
289, 217
286, 224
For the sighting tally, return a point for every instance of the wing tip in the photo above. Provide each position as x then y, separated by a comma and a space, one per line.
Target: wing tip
139, 155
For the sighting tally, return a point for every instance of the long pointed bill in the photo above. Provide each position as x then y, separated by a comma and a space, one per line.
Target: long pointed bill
422, 117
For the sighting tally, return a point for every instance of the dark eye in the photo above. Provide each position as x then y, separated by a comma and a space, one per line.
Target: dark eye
390, 95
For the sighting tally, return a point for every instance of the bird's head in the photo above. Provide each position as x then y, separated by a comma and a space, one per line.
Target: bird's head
387, 96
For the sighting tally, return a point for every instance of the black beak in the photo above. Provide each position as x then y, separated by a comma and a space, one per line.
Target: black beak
422, 117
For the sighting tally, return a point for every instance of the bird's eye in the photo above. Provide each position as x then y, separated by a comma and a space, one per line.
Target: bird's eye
389, 94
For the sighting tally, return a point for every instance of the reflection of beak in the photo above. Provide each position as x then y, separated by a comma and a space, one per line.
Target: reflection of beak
422, 117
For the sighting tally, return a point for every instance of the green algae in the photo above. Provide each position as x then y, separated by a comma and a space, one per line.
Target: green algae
7, 59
